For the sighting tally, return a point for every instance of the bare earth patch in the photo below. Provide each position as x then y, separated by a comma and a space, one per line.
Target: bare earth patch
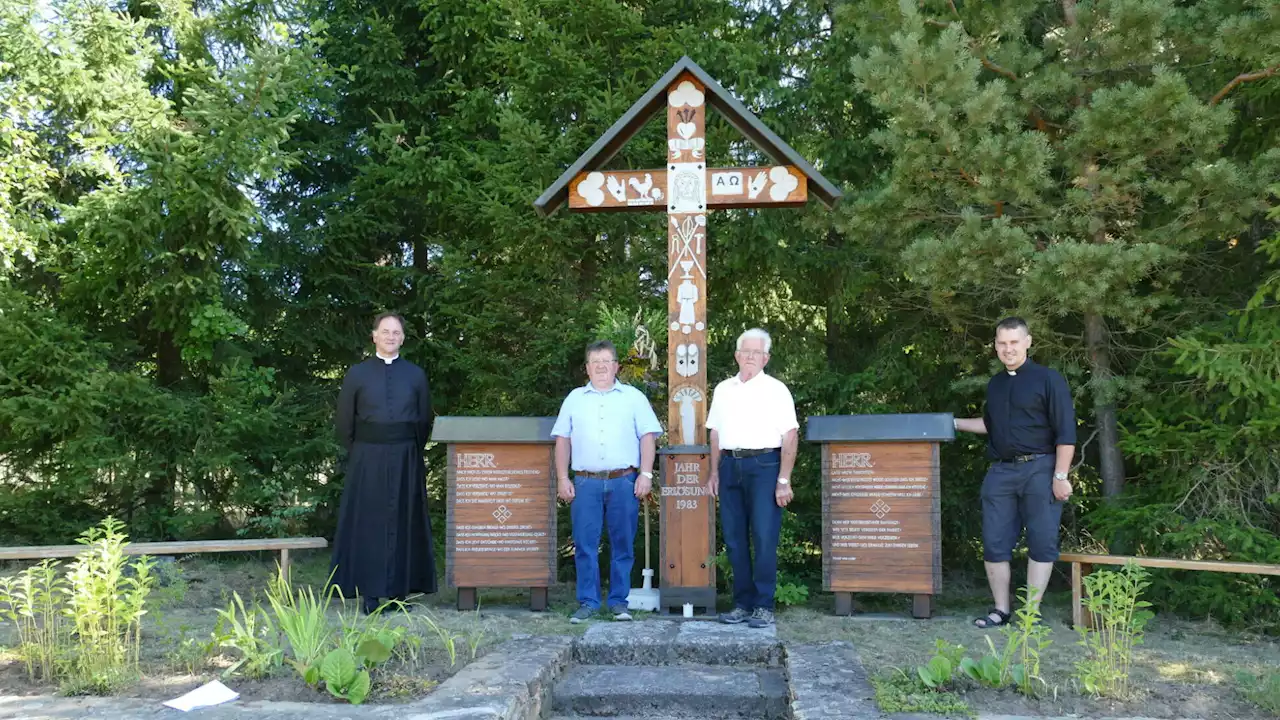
1183, 669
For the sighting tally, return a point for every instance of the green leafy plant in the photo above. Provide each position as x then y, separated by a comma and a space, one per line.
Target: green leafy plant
940, 669
1019, 660
30, 601
1119, 620
373, 639
1026, 638
448, 640
899, 692
988, 669
1262, 690
791, 594
343, 677
105, 604
249, 632
303, 618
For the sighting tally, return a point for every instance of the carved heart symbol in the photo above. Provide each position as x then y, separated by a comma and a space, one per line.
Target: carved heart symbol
685, 130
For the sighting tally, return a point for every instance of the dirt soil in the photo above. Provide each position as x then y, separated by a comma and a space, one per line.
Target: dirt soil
1182, 670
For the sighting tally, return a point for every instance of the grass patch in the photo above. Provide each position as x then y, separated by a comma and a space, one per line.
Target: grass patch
1262, 690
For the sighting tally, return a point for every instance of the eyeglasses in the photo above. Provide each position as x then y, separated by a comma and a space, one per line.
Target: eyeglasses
599, 363
753, 353
390, 333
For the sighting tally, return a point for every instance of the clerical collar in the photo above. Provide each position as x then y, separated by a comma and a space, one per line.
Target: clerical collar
388, 360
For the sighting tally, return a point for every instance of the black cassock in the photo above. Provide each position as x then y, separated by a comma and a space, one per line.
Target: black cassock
383, 544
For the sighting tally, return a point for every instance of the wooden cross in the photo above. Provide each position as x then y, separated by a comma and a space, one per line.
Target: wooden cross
687, 189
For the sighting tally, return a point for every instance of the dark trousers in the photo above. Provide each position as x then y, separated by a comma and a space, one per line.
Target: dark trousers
751, 520
1018, 495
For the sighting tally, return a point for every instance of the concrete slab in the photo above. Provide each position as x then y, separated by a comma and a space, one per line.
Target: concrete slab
828, 682
721, 644
701, 691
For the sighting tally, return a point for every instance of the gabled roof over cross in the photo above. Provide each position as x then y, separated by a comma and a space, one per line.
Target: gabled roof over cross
655, 100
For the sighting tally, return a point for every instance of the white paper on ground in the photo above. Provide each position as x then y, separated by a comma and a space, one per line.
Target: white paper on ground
212, 693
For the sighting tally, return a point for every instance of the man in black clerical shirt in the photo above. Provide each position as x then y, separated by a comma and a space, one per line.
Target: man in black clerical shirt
382, 548
1031, 434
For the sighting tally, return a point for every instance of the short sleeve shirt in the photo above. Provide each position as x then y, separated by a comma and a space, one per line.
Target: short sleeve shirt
751, 415
1028, 412
605, 427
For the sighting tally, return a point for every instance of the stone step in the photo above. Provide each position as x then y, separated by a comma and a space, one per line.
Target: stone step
666, 642
619, 717
705, 692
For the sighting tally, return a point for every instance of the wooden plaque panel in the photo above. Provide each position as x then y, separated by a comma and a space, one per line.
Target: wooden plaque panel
501, 527
688, 521
732, 187
881, 517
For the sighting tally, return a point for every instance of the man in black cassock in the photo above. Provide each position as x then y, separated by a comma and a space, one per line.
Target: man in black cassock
383, 545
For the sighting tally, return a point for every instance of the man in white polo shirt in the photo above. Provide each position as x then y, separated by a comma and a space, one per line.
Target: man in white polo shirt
753, 448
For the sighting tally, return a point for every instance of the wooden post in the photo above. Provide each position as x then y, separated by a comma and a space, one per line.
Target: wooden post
1079, 616
466, 598
284, 563
538, 599
922, 606
844, 603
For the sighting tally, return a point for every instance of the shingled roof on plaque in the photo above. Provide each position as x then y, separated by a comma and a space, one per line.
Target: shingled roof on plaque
921, 427
456, 428
654, 100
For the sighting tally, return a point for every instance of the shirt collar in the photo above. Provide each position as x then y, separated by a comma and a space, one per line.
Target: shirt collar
589, 388
387, 360
1024, 367
737, 377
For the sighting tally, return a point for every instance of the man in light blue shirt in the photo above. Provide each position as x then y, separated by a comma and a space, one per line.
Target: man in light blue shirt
607, 433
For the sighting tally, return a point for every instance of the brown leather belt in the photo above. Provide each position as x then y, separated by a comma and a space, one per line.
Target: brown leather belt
604, 475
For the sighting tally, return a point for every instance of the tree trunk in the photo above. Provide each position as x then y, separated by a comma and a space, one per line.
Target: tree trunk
1111, 460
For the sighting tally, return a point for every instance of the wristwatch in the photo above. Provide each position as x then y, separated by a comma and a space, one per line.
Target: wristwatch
647, 474
1060, 476
783, 481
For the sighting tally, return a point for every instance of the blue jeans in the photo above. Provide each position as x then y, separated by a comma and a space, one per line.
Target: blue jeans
596, 502
749, 513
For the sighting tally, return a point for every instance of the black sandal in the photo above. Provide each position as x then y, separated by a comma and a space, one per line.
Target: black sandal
985, 623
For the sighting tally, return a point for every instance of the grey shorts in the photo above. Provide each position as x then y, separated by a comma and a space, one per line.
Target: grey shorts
1017, 496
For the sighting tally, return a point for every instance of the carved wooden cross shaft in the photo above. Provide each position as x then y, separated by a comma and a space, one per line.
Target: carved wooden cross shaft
686, 188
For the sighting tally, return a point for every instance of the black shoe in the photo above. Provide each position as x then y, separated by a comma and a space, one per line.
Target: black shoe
369, 605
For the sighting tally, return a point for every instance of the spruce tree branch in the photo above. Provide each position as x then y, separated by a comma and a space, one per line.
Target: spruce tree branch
973, 44
1244, 78
996, 68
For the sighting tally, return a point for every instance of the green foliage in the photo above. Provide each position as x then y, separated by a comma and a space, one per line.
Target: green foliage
84, 629
986, 669
248, 631
1119, 618
788, 593
106, 597
1019, 660
900, 693
31, 601
303, 618
937, 673
1027, 637
1262, 690
343, 676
